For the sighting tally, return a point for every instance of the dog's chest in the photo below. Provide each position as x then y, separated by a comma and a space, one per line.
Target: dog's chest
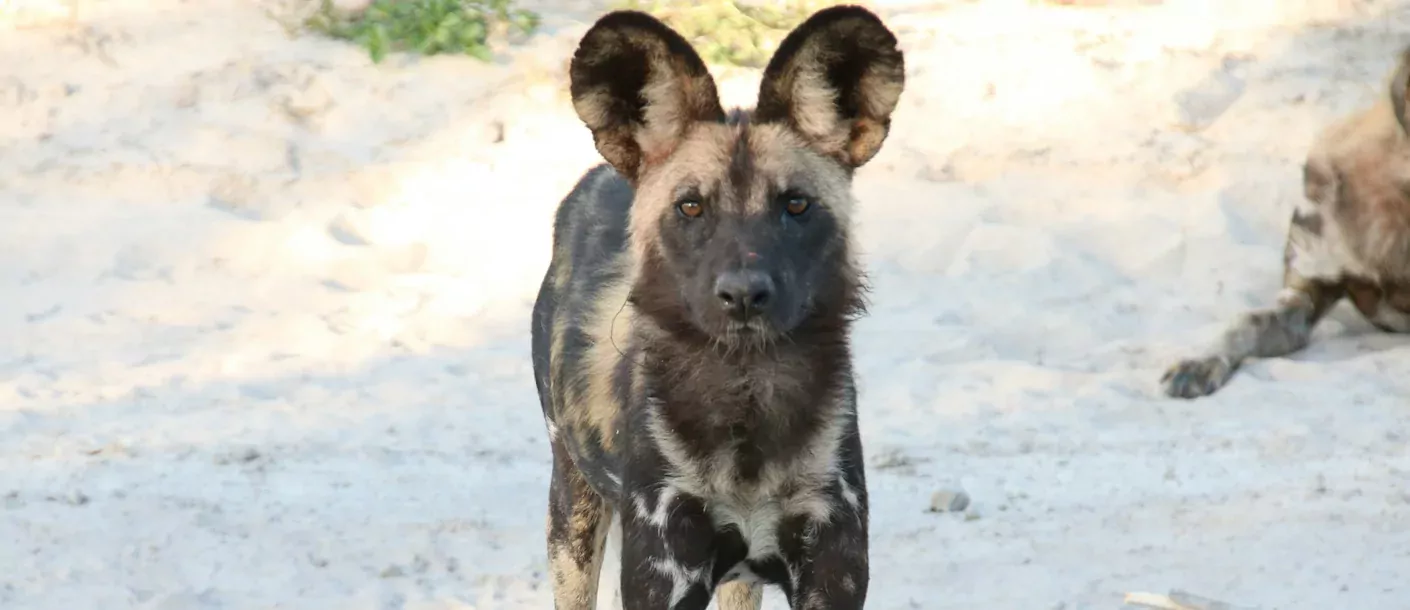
756, 509
756, 521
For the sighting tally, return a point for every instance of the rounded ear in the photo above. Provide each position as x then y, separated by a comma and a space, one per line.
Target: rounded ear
638, 85
1400, 88
835, 80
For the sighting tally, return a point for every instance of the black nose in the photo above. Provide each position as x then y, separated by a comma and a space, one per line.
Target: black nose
744, 293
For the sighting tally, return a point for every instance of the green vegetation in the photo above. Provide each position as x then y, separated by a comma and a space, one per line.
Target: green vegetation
727, 31
427, 27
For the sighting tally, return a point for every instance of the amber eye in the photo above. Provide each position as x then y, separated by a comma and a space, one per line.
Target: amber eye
797, 205
690, 209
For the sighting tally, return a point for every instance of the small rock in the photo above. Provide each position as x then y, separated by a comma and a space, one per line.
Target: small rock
393, 572
307, 103
76, 498
947, 501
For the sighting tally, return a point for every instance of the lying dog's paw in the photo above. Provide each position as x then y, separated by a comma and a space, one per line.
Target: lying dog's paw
1197, 377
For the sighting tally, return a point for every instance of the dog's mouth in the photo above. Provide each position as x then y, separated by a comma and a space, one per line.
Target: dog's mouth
746, 328
747, 336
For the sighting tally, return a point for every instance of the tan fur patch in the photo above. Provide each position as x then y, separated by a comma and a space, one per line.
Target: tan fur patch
575, 586
739, 595
608, 330
1364, 164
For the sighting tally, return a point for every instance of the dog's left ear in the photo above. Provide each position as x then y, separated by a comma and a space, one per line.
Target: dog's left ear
835, 80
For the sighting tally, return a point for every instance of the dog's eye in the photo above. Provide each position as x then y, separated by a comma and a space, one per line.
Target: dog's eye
690, 208
796, 204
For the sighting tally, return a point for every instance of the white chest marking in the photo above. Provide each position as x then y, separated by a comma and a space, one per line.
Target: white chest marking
682, 578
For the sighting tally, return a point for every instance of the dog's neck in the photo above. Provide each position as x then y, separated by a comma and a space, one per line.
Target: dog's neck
769, 403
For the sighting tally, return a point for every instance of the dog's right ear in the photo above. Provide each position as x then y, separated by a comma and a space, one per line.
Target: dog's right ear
638, 85
835, 80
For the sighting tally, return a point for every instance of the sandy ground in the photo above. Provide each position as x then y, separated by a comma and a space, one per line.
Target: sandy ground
263, 314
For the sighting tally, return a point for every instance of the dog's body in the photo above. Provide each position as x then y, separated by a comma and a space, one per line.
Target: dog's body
690, 338
1349, 238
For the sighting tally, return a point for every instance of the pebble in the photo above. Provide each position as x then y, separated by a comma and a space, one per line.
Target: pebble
74, 498
948, 501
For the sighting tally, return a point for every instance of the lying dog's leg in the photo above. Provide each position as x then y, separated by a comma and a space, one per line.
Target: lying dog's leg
740, 595
1264, 333
578, 520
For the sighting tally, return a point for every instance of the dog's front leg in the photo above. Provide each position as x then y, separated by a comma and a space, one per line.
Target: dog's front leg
1264, 333
667, 550
827, 558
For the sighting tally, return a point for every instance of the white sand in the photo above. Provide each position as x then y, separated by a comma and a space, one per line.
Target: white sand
263, 314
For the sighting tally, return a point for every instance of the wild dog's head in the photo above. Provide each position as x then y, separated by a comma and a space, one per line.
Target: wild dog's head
740, 227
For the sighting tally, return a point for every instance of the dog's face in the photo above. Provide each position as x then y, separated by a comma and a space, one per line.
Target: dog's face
741, 222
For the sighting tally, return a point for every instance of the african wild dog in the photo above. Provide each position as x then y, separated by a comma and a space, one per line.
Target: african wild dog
690, 338
1350, 237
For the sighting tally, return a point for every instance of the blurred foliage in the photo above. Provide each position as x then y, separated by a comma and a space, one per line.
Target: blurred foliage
730, 32
427, 27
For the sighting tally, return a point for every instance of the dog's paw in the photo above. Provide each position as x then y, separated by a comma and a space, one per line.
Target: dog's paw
1196, 377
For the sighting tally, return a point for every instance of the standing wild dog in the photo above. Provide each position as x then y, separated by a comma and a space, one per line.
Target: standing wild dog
690, 338
1350, 237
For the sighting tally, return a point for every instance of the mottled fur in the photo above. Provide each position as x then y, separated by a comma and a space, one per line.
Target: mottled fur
694, 369
1350, 237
